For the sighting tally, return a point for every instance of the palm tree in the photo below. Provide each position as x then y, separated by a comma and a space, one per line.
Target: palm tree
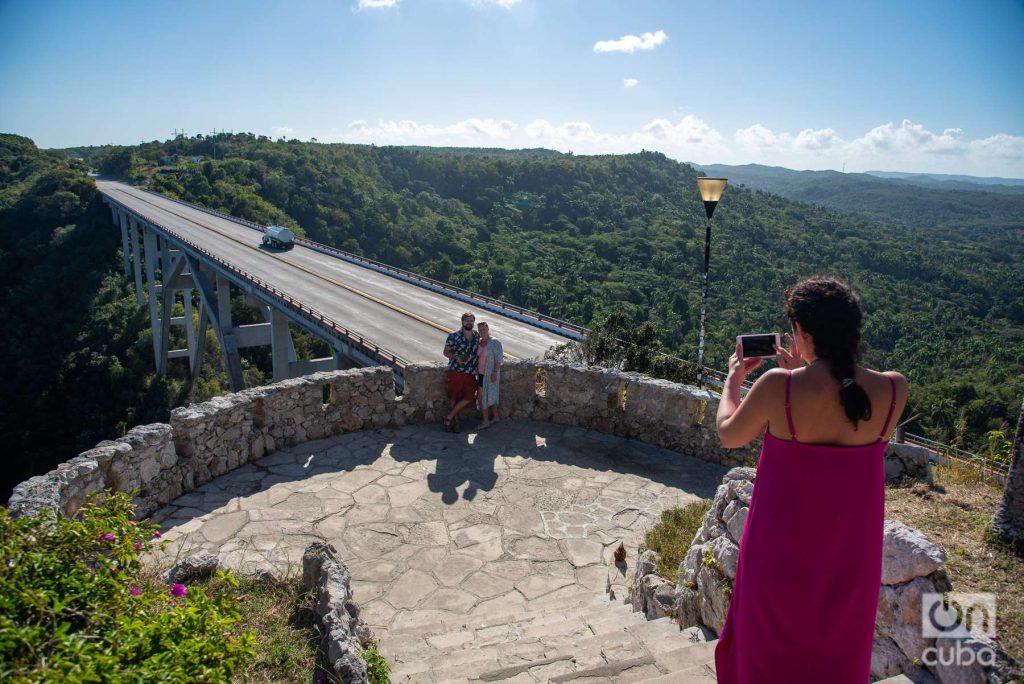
1008, 521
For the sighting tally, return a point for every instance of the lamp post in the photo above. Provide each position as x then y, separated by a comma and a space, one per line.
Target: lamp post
711, 190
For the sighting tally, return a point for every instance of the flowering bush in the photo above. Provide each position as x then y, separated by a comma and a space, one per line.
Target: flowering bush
76, 605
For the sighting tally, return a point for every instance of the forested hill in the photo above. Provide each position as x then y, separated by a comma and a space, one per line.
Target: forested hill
952, 208
582, 237
77, 364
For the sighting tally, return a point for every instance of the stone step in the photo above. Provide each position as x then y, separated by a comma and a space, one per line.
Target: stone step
627, 670
529, 611
554, 638
627, 654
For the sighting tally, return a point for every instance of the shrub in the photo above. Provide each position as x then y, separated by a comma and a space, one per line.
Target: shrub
671, 537
76, 606
378, 670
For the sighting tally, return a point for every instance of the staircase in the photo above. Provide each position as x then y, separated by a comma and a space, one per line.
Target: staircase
576, 638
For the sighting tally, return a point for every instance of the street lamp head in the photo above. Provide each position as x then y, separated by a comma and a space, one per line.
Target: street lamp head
711, 190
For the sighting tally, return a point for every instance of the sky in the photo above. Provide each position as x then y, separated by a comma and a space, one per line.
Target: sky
931, 86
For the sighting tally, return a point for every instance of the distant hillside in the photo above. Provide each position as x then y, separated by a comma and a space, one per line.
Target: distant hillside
960, 212
945, 181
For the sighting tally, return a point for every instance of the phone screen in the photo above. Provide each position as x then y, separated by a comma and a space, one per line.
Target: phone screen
758, 345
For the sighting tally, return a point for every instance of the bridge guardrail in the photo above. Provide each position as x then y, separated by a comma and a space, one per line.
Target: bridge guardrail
332, 327
424, 281
716, 378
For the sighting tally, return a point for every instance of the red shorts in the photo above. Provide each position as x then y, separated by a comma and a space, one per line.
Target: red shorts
461, 386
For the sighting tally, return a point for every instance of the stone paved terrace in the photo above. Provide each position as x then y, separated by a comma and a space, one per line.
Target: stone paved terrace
439, 527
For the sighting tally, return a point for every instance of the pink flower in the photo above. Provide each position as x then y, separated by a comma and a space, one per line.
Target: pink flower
156, 533
109, 536
178, 590
132, 523
137, 545
134, 591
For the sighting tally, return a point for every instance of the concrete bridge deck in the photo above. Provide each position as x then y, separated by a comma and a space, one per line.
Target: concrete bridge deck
406, 319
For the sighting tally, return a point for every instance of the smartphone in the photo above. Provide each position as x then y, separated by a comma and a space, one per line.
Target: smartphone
753, 346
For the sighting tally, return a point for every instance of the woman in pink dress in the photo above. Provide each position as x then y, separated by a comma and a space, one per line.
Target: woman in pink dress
806, 590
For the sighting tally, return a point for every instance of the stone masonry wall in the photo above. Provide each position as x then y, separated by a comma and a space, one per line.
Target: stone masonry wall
163, 461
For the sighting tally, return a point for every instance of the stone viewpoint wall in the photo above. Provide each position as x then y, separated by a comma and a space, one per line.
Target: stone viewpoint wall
161, 462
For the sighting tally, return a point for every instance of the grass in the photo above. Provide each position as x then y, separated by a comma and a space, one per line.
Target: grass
955, 513
672, 535
287, 633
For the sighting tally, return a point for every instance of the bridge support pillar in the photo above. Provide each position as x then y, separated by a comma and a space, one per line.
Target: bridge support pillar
133, 229
281, 345
169, 272
190, 334
122, 221
202, 323
211, 313
232, 361
149, 249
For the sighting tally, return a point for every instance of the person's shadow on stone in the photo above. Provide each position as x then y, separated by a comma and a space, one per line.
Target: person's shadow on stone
458, 462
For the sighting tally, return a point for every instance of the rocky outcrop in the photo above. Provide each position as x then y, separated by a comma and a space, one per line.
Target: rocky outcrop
907, 463
649, 593
911, 567
345, 634
709, 567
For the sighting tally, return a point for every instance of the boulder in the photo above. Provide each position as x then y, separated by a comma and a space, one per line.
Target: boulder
907, 553
196, 567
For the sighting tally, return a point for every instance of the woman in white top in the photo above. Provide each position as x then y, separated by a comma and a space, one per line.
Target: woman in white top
489, 355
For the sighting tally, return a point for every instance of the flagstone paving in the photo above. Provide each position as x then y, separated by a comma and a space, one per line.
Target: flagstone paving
480, 557
437, 526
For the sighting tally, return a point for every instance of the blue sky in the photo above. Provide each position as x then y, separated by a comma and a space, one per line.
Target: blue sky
912, 86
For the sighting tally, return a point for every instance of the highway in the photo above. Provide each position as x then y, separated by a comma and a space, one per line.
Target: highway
406, 319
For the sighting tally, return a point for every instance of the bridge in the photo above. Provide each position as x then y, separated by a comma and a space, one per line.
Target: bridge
369, 313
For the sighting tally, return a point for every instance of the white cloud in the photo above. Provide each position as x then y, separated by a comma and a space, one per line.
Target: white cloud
908, 147
507, 4
910, 137
1000, 145
821, 139
283, 131
630, 82
376, 4
690, 131
630, 43
760, 136
407, 132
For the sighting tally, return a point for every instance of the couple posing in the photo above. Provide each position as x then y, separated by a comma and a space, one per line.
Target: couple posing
474, 372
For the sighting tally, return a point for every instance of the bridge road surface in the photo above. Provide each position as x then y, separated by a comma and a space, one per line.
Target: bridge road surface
413, 325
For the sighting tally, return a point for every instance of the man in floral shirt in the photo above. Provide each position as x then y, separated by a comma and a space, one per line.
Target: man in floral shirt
460, 349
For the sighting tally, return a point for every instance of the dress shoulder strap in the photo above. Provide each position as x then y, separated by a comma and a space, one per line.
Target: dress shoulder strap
892, 407
789, 416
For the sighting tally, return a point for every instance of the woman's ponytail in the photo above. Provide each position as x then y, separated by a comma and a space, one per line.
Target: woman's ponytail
852, 396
